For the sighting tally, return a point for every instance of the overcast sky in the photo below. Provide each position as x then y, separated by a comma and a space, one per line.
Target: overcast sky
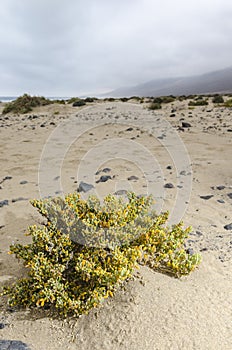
75, 47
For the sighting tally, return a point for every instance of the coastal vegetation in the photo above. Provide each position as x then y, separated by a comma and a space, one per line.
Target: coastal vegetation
86, 249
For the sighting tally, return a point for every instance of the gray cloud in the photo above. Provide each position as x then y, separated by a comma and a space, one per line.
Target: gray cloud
73, 47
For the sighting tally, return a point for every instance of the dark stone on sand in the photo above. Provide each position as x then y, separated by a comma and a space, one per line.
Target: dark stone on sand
104, 178
106, 170
13, 345
221, 187
84, 187
169, 167
19, 199
129, 129
42, 125
228, 227
23, 182
132, 178
186, 125
229, 130
172, 115
4, 202
229, 195
169, 185
120, 192
7, 178
206, 197
2, 325
221, 201
52, 123
190, 251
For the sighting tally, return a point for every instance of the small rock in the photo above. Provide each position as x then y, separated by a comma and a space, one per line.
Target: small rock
229, 130
186, 125
221, 201
42, 125
169, 167
129, 129
23, 182
206, 197
229, 195
190, 251
169, 185
52, 123
120, 192
106, 170
19, 199
7, 178
221, 187
228, 227
104, 178
4, 202
172, 115
13, 345
132, 178
84, 187
2, 325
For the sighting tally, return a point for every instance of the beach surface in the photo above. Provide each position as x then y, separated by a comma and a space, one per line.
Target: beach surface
184, 158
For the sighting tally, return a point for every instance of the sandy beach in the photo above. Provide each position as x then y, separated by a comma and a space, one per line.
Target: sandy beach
183, 157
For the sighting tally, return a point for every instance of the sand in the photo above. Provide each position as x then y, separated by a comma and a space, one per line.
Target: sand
52, 149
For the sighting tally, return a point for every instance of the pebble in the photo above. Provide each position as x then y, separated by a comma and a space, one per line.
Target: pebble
221, 201
169, 167
206, 197
84, 187
228, 227
23, 182
190, 251
2, 325
104, 178
13, 345
120, 192
132, 178
106, 170
221, 187
4, 202
129, 129
229, 195
186, 125
19, 199
169, 185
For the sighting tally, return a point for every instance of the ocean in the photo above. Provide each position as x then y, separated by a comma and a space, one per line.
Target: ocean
12, 98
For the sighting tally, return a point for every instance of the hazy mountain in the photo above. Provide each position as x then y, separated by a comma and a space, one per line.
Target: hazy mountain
214, 82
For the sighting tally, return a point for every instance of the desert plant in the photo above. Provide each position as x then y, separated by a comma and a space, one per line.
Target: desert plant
86, 249
198, 102
25, 104
78, 103
228, 103
218, 99
153, 106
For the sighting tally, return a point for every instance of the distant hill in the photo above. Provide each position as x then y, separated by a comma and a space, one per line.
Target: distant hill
214, 82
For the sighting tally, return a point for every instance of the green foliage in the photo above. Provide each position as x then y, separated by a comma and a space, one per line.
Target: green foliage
228, 103
153, 106
218, 99
86, 249
79, 103
198, 102
25, 104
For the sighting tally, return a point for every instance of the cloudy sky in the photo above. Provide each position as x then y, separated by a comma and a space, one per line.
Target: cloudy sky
75, 47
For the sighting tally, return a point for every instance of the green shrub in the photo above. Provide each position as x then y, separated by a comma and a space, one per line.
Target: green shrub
153, 106
228, 103
86, 249
218, 99
25, 104
79, 102
198, 102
